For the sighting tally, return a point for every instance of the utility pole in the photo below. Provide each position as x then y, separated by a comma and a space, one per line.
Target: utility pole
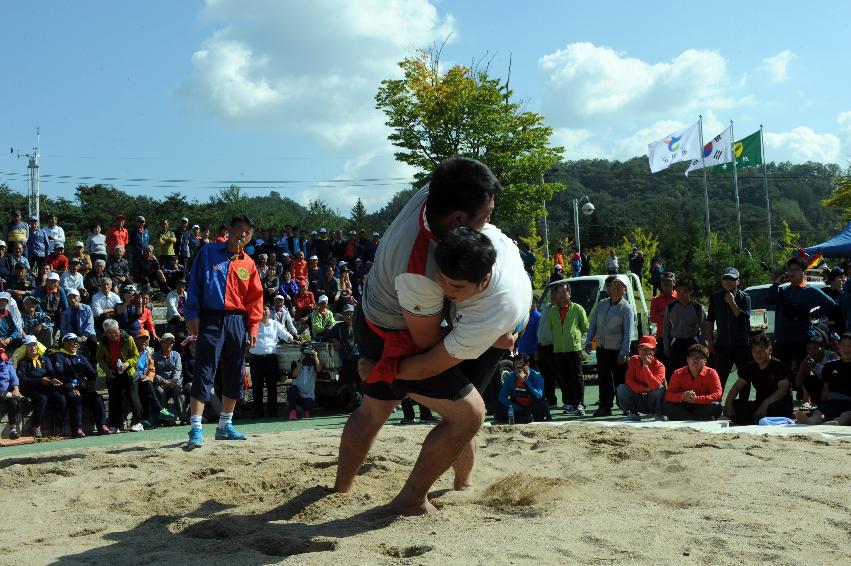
34, 192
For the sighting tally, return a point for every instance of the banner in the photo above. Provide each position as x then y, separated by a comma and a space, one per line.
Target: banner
682, 145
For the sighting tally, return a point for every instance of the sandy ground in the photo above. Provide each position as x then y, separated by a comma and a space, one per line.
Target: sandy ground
545, 495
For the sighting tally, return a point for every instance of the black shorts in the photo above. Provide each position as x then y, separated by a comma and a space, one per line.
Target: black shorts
832, 408
455, 383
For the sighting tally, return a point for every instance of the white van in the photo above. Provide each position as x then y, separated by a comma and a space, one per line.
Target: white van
761, 310
587, 291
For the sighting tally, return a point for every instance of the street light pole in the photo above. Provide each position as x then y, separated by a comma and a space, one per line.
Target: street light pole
588, 209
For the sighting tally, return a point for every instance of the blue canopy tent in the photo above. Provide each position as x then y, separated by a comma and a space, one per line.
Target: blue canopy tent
837, 246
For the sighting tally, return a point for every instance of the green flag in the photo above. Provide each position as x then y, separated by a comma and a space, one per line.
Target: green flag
748, 152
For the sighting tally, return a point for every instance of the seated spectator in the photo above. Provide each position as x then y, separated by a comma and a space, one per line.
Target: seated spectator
264, 363
289, 286
39, 384
79, 378
810, 372
16, 255
117, 267
281, 314
73, 279
273, 260
52, 298
85, 262
172, 270
303, 388
175, 303
132, 315
149, 268
36, 323
694, 391
262, 265
346, 280
57, 259
329, 285
11, 323
343, 340
770, 379
10, 392
304, 304
117, 357
522, 390
169, 380
271, 284
146, 374
80, 320
285, 263
6, 270
835, 407
322, 321
42, 272
21, 284
299, 269
104, 302
92, 279
644, 387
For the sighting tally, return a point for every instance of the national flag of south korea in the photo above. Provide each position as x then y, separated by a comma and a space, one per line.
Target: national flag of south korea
717, 151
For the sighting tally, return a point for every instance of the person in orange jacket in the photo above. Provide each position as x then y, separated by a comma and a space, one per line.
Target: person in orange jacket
694, 391
644, 387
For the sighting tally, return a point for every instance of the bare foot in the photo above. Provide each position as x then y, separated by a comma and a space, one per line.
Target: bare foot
365, 366
400, 506
831, 423
465, 486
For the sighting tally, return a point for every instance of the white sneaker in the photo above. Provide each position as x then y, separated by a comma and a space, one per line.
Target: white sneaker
137, 427
580, 410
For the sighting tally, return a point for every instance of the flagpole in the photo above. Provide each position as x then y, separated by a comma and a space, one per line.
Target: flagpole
736, 186
767, 201
705, 188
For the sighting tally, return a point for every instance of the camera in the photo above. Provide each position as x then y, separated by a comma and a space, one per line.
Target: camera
308, 350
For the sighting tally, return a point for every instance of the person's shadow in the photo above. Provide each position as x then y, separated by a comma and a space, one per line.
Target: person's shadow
210, 536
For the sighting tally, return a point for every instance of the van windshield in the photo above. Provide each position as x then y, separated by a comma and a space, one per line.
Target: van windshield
582, 292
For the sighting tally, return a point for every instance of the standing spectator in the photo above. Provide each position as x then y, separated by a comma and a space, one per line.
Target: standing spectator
167, 241
612, 264
117, 235
643, 390
529, 260
558, 258
322, 320
729, 315
264, 363
38, 382
349, 251
329, 285
796, 306
304, 304
302, 392
93, 278
262, 265
117, 357
82, 257
343, 340
586, 264
183, 243
57, 259
73, 279
656, 271
575, 263
658, 306
568, 323
16, 231
323, 248
96, 243
55, 233
636, 263
545, 357
810, 374
683, 326
117, 268
314, 272
771, 379
836, 317
18, 257
372, 247
694, 391
22, 284
522, 390
528, 342
79, 377
38, 243
222, 235
299, 268
140, 239
6, 269
168, 382
196, 241
611, 324
10, 392
80, 320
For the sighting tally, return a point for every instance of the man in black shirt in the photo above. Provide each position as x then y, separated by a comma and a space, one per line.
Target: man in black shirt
770, 379
835, 407
727, 329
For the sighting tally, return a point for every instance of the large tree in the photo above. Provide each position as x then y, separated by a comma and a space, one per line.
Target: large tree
465, 111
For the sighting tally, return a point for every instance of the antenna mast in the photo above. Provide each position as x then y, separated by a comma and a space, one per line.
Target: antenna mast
34, 192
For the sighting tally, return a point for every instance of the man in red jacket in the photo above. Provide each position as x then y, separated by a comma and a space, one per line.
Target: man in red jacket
644, 390
694, 392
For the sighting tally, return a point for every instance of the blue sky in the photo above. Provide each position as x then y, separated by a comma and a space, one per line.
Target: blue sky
277, 91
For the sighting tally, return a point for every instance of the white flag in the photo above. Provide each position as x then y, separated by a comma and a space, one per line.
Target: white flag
682, 145
716, 152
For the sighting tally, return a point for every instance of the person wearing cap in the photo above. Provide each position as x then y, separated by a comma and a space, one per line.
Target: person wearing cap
73, 279
611, 324
10, 392
343, 340
38, 243
183, 242
146, 374
196, 242
167, 241
22, 283
322, 248
264, 363
224, 305
79, 379
371, 248
310, 244
658, 306
78, 252
557, 274
169, 380
314, 272
53, 298
6, 269
16, 230
140, 239
36, 322
116, 235
346, 287
683, 325
117, 268
728, 326
694, 390
810, 375
771, 380
322, 320
117, 356
568, 323
39, 384
643, 390
281, 313
96, 244
80, 320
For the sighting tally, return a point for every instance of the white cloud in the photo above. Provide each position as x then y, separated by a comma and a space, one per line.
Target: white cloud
844, 121
586, 84
578, 144
802, 144
777, 65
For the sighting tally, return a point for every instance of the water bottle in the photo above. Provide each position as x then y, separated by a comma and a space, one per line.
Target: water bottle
511, 414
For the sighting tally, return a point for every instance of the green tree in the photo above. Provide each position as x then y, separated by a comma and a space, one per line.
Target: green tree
320, 215
543, 266
359, 219
465, 111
